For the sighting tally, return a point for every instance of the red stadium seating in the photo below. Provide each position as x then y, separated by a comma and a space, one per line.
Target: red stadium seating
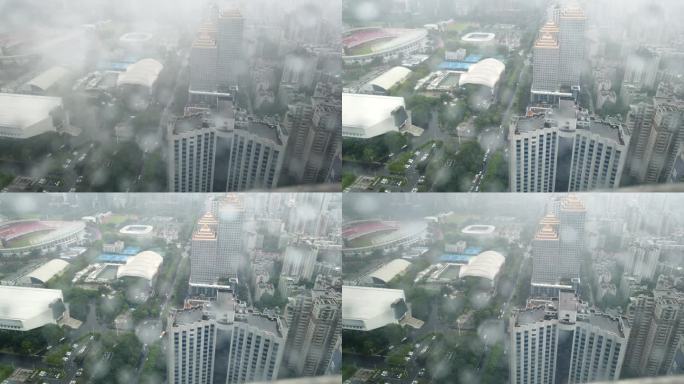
365, 36
366, 228
14, 230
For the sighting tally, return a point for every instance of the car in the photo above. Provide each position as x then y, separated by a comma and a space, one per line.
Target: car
410, 161
72, 382
404, 147
384, 374
414, 190
407, 358
42, 374
391, 154
384, 181
433, 145
410, 353
417, 153
65, 358
406, 166
68, 353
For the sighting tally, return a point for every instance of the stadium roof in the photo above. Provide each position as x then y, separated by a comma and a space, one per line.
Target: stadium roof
143, 72
144, 265
23, 303
366, 111
390, 270
23, 111
371, 306
486, 72
48, 78
390, 78
486, 265
48, 270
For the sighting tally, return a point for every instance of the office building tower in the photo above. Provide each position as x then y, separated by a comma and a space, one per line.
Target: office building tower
546, 54
557, 248
314, 328
203, 61
565, 149
641, 68
230, 25
572, 233
191, 338
657, 128
192, 145
322, 333
256, 156
558, 56
657, 319
562, 342
571, 23
203, 247
545, 257
314, 135
230, 253
299, 260
643, 258
256, 348
216, 152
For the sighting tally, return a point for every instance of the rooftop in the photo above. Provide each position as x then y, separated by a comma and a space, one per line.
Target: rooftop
390, 270
22, 303
360, 110
48, 270
22, 111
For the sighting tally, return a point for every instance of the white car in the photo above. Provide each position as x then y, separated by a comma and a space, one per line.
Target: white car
414, 190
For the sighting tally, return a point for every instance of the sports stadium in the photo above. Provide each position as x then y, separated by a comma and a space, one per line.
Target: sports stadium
365, 236
362, 45
23, 236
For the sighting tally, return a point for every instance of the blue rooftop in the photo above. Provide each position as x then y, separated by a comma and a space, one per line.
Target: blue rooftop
472, 58
455, 65
473, 251
131, 251
455, 258
112, 258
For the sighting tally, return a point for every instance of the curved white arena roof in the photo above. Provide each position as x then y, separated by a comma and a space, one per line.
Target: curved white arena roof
391, 78
48, 270
485, 265
486, 72
144, 264
143, 72
29, 307
390, 270
370, 114
367, 308
21, 111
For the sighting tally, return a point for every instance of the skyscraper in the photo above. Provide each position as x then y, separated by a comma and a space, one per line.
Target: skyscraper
203, 61
546, 54
229, 255
658, 321
565, 149
256, 348
571, 38
558, 56
572, 233
562, 342
215, 152
314, 327
557, 248
203, 256
299, 260
230, 25
192, 147
191, 338
315, 138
